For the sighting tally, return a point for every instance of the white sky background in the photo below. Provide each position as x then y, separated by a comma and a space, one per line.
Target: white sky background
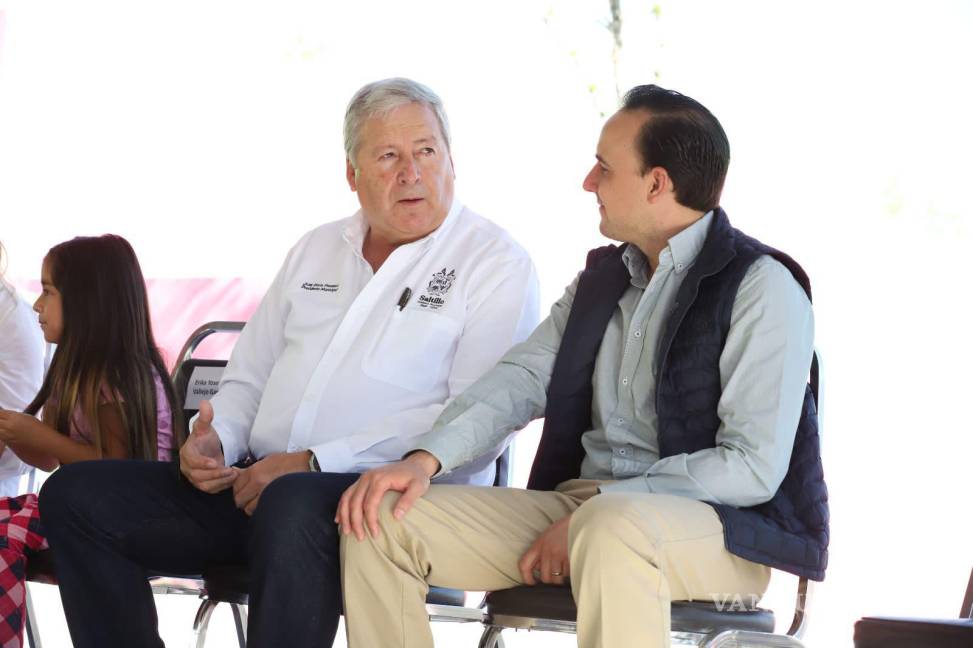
208, 133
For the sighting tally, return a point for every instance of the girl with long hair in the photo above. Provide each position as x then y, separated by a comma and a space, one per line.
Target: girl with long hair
105, 396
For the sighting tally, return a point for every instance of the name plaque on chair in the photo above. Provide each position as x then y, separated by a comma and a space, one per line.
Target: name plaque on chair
203, 385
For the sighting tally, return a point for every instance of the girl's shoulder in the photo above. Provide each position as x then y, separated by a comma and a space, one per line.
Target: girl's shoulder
80, 425
80, 429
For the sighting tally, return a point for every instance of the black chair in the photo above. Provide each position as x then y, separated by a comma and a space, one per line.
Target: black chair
196, 379
896, 632
552, 608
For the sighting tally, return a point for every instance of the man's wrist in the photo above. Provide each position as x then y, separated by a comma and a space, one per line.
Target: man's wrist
425, 461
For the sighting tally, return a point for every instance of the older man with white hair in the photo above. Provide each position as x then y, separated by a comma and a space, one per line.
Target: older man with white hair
372, 325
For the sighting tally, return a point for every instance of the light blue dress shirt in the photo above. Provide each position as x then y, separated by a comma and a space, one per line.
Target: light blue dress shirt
763, 371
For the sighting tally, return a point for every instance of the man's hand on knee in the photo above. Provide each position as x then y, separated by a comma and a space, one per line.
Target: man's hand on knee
359, 504
252, 480
201, 456
547, 559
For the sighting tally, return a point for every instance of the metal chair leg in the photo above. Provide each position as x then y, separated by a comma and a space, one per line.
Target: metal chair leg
240, 621
201, 622
30, 629
491, 637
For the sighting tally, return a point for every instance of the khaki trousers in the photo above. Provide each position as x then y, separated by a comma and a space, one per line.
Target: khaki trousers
630, 555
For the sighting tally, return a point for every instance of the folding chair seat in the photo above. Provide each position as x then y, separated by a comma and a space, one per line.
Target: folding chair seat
551, 608
895, 632
889, 632
555, 602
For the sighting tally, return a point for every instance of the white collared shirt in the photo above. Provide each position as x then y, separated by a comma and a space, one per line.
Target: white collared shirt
331, 363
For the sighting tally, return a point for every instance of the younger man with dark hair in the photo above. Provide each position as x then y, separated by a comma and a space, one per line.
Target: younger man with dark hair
680, 456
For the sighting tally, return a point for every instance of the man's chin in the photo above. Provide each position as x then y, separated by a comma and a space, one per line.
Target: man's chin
418, 222
605, 229
412, 210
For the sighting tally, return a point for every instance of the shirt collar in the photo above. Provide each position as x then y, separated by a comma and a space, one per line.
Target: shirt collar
637, 264
356, 229
686, 245
451, 217
679, 254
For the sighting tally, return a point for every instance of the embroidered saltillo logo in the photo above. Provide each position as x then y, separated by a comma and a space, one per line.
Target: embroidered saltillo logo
434, 296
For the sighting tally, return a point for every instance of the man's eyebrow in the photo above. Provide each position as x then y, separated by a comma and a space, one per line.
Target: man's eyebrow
601, 159
432, 139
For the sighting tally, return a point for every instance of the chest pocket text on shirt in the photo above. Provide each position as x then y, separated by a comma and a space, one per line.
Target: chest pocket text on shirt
415, 351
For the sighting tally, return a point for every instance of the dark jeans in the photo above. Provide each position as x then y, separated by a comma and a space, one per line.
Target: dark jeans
110, 523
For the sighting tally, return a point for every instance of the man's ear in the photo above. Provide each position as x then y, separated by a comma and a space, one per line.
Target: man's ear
657, 184
351, 175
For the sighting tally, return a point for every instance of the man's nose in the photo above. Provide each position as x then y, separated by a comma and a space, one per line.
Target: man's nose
409, 172
590, 182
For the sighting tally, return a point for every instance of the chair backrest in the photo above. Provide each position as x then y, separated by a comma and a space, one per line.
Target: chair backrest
200, 334
195, 380
799, 622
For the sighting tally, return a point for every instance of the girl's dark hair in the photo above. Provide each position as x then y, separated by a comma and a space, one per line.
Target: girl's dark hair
106, 341
685, 139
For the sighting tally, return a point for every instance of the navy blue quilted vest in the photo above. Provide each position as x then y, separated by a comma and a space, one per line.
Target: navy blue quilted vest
789, 532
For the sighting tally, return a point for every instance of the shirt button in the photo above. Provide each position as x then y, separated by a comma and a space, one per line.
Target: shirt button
638, 333
620, 421
622, 452
624, 381
679, 266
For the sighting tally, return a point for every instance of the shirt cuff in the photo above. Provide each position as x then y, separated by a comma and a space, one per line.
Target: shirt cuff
638, 484
447, 457
334, 456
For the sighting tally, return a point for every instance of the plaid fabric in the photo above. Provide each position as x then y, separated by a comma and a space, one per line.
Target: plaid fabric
20, 529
